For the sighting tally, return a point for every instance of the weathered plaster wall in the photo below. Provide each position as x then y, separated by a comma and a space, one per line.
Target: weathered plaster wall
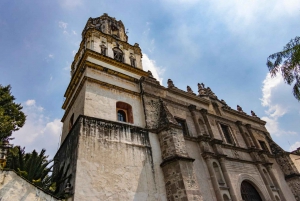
14, 188
115, 163
113, 80
77, 109
100, 102
106, 65
201, 171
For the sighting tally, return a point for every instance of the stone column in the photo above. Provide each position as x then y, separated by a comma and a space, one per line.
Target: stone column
213, 177
192, 109
239, 124
177, 166
274, 180
227, 179
248, 126
262, 174
204, 114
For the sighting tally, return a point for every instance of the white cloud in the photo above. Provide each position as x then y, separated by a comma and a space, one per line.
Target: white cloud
51, 56
74, 32
30, 102
149, 64
70, 4
278, 99
62, 24
294, 146
238, 14
39, 130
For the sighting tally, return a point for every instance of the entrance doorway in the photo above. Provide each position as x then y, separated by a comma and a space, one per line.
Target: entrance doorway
249, 193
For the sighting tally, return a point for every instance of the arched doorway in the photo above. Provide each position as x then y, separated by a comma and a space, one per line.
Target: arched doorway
249, 193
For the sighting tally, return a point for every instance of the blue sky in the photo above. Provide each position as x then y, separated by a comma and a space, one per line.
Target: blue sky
223, 44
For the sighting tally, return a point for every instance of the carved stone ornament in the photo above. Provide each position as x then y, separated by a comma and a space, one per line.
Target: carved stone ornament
189, 89
170, 83
166, 117
239, 108
253, 114
150, 74
211, 93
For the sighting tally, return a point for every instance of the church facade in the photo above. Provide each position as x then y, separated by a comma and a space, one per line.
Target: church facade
127, 137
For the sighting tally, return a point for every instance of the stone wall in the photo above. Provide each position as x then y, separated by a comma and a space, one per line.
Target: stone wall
14, 187
114, 163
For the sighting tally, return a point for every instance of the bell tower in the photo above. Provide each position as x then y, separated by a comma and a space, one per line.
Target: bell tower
104, 76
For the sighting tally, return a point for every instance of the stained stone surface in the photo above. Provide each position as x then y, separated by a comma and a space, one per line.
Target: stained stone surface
14, 188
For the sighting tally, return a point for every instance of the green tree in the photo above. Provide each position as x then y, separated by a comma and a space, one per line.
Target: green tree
11, 116
288, 63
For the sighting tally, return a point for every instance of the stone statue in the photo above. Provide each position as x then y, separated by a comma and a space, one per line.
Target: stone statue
239, 108
150, 73
222, 101
188, 88
253, 114
199, 87
170, 83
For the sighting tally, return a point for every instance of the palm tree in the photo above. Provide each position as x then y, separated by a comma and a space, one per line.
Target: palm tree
288, 63
36, 168
32, 166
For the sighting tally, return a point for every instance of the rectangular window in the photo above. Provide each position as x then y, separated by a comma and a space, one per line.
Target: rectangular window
182, 123
263, 145
226, 133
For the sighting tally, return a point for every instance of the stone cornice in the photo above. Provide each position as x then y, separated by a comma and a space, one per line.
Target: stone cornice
228, 119
184, 94
176, 158
244, 115
105, 84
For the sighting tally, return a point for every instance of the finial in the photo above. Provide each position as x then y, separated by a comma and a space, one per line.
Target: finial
170, 83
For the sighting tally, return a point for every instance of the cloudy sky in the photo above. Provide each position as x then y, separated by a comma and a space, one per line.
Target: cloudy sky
223, 44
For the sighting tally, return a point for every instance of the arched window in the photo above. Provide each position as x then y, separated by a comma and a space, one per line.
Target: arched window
132, 60
124, 112
249, 193
92, 45
227, 134
118, 54
122, 116
71, 122
103, 49
218, 174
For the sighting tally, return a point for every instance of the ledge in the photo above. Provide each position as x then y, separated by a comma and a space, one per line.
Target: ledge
176, 158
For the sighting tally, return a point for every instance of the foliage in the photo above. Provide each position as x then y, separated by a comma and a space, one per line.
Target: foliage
32, 166
288, 63
37, 169
11, 116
